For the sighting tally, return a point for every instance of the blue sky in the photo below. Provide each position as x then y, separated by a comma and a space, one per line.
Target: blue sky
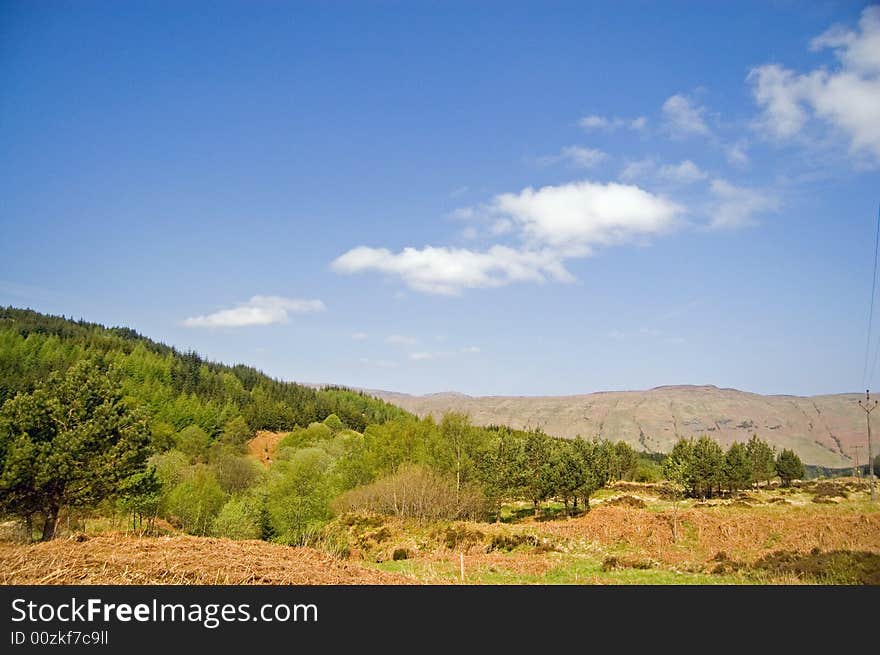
493, 198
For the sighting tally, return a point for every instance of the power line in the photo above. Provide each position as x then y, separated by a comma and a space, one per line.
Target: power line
865, 378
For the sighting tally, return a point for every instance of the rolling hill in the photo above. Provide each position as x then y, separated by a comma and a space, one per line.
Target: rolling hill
823, 430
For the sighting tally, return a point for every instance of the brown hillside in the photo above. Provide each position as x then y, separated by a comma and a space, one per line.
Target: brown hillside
821, 429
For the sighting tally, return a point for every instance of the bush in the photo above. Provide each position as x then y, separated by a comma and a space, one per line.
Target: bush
300, 490
417, 492
648, 471
195, 502
193, 442
239, 519
334, 423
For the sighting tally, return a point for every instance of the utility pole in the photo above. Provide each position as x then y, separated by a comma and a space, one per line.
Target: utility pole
868, 407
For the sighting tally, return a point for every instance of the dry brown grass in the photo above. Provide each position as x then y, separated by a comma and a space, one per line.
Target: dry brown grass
121, 559
745, 533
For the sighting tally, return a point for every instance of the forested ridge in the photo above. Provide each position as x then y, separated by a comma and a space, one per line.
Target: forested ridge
178, 388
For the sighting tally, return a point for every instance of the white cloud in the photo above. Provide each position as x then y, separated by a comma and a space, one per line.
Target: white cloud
847, 98
502, 226
595, 122
401, 340
359, 336
576, 156
555, 222
617, 335
572, 217
737, 155
683, 117
446, 271
687, 172
421, 356
736, 207
471, 349
470, 233
259, 310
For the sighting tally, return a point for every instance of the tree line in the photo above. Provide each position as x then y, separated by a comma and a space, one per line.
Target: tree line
702, 468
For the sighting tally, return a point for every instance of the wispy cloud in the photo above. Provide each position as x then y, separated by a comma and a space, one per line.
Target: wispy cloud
684, 118
577, 156
736, 207
401, 340
471, 350
381, 363
359, 336
595, 122
259, 310
687, 172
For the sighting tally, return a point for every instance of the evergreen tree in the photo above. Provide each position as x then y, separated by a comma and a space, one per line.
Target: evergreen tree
71, 442
789, 467
737, 467
762, 458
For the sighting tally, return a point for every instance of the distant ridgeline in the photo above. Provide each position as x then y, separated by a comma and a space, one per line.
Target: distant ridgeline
177, 388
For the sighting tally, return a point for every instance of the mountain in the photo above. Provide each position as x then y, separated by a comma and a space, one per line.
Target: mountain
823, 430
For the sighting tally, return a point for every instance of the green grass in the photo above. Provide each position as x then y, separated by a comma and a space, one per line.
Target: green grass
570, 570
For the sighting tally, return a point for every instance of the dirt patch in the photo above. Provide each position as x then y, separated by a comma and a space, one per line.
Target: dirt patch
120, 559
625, 501
263, 446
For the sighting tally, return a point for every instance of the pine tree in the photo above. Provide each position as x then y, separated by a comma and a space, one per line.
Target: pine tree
789, 467
71, 442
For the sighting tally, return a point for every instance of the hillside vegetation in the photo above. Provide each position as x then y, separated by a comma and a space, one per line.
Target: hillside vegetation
107, 438
822, 430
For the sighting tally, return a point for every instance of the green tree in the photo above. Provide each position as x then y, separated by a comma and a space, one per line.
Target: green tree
299, 494
708, 466
540, 479
236, 433
762, 458
789, 467
592, 476
737, 467
334, 423
72, 442
195, 502
501, 469
239, 518
678, 468
194, 442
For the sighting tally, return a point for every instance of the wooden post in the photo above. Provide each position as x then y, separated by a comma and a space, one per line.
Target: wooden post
461, 563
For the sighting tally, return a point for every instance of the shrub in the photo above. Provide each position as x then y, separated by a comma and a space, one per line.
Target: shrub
195, 502
239, 518
300, 489
417, 492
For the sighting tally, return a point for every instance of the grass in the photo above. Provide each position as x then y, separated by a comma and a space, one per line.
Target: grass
569, 570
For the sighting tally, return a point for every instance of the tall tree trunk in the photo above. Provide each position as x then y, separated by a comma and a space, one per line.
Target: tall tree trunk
49, 525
